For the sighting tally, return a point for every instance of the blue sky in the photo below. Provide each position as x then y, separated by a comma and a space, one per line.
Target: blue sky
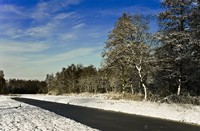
42, 36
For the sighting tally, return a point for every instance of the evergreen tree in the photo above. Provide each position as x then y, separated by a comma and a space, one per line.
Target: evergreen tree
118, 40
175, 51
2, 82
194, 74
195, 29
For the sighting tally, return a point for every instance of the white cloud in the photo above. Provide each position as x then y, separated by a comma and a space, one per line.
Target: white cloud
8, 29
9, 46
69, 55
7, 8
67, 36
78, 26
40, 11
14, 12
45, 8
41, 31
64, 15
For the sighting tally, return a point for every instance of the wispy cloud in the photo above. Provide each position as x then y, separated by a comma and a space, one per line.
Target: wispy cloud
12, 12
67, 36
68, 55
78, 26
9, 47
64, 15
45, 20
8, 8
41, 31
46, 8
41, 11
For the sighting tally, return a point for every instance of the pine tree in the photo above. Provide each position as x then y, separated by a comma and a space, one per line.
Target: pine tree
195, 20
195, 29
195, 51
2, 82
115, 49
175, 51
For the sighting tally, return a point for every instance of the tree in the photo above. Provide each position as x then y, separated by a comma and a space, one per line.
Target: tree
50, 81
195, 20
138, 51
175, 51
88, 79
2, 82
73, 79
127, 50
195, 29
195, 50
118, 39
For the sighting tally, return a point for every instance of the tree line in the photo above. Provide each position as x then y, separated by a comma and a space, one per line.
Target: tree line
17, 86
136, 61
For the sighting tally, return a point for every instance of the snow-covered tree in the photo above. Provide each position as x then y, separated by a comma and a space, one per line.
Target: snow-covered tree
195, 29
126, 49
175, 50
115, 50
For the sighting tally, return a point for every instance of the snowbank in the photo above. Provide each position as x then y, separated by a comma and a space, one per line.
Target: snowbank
177, 112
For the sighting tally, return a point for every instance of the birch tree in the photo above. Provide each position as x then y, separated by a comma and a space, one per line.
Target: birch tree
138, 50
126, 49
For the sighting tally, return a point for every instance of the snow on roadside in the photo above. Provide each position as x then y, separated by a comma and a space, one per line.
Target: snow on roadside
177, 112
17, 116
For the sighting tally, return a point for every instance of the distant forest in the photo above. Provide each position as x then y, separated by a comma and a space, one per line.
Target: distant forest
135, 61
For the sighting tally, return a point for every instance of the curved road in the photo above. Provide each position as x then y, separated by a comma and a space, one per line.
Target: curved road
108, 120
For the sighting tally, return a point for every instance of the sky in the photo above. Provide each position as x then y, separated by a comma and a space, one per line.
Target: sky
39, 37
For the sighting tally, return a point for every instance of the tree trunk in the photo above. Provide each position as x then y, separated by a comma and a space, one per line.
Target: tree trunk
123, 90
180, 78
132, 92
141, 80
106, 87
145, 91
179, 86
72, 86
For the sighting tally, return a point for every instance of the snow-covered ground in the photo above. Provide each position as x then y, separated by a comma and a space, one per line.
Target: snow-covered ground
17, 116
176, 112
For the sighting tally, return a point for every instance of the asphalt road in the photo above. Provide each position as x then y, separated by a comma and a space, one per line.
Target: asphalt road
108, 120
